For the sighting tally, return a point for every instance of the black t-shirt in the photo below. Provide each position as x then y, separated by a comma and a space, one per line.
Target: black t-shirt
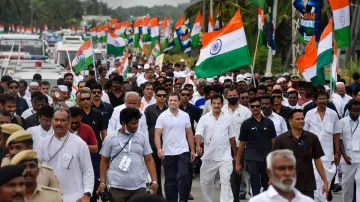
116, 101
305, 149
106, 111
258, 136
96, 121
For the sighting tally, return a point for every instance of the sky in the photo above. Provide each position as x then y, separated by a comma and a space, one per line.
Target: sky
148, 3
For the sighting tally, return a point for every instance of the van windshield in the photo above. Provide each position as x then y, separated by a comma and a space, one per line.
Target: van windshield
29, 47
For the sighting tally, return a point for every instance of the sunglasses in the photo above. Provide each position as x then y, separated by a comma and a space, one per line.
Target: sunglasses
13, 87
277, 97
255, 106
161, 95
96, 92
185, 95
85, 98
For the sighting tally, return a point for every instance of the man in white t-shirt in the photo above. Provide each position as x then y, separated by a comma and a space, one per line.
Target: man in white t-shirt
175, 128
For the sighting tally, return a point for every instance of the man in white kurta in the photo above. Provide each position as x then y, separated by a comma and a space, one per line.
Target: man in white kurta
328, 130
69, 157
216, 130
350, 162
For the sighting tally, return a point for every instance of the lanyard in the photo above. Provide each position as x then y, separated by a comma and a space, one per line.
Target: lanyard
58, 151
121, 144
353, 131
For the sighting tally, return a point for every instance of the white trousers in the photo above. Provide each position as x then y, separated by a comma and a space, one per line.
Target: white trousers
330, 170
207, 176
349, 174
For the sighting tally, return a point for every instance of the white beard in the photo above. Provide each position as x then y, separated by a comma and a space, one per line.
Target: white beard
283, 187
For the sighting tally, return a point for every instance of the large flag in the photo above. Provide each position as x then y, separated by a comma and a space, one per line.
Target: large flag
124, 67
211, 23
307, 62
222, 49
325, 46
142, 46
146, 29
94, 34
271, 44
195, 33
115, 44
184, 36
334, 67
155, 31
341, 13
156, 50
165, 24
123, 29
137, 25
84, 57
261, 21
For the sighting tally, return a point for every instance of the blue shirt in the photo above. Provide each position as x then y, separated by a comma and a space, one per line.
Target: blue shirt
200, 103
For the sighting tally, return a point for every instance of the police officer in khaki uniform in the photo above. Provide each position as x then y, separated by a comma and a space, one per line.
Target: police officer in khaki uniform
34, 192
22, 140
7, 130
12, 183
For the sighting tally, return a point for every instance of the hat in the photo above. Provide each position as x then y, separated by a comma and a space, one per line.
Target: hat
286, 74
146, 66
210, 80
268, 75
279, 80
25, 155
63, 88
239, 78
34, 84
10, 172
19, 136
182, 60
10, 128
181, 75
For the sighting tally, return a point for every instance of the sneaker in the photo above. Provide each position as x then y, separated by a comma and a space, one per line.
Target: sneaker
190, 198
337, 188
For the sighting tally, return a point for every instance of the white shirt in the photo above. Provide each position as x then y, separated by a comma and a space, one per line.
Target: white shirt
207, 106
240, 114
271, 195
28, 113
105, 97
325, 129
279, 123
337, 100
27, 98
350, 135
196, 96
72, 165
297, 106
38, 133
173, 132
216, 135
145, 103
114, 123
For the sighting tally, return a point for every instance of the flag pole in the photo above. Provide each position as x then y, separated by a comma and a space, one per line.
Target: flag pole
67, 54
96, 78
252, 66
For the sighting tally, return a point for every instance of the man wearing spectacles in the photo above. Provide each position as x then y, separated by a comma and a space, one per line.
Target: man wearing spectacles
307, 148
152, 113
258, 135
244, 98
21, 103
104, 108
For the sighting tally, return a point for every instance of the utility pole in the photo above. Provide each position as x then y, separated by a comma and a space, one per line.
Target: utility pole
203, 14
211, 8
269, 57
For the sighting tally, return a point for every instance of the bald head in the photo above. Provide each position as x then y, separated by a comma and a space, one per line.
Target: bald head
340, 89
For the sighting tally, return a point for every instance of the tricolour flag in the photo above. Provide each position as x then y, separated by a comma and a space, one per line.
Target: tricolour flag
165, 24
84, 57
124, 67
195, 33
222, 49
341, 15
146, 30
137, 25
1, 28
155, 32
156, 50
261, 21
142, 46
211, 23
115, 44
45, 27
334, 67
307, 62
94, 34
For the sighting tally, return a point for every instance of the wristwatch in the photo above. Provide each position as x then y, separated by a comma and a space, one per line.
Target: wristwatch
154, 182
88, 194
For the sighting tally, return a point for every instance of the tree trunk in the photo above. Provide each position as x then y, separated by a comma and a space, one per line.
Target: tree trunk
288, 59
328, 12
269, 57
355, 16
356, 30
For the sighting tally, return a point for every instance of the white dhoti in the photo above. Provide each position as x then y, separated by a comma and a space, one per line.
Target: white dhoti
207, 176
330, 170
349, 174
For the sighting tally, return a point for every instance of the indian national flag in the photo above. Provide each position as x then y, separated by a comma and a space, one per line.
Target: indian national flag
155, 33
137, 25
103, 34
325, 46
156, 50
165, 24
334, 67
142, 45
195, 33
307, 62
124, 68
1, 28
223, 50
94, 33
261, 20
145, 29
341, 15
123, 29
115, 44
84, 57
117, 28
211, 23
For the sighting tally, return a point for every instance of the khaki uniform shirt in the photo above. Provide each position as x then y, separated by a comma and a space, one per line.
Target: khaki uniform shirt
46, 176
47, 194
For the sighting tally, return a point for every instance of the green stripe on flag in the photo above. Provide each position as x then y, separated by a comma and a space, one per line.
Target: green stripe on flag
319, 79
325, 58
82, 64
343, 37
113, 50
195, 40
227, 61
154, 39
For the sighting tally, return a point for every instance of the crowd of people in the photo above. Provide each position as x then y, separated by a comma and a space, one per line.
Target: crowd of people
104, 135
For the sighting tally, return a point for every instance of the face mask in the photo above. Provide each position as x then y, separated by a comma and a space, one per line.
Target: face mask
57, 95
233, 100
